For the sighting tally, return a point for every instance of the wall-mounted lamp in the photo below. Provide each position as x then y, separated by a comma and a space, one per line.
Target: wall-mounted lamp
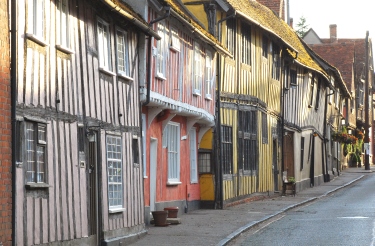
343, 121
315, 134
350, 131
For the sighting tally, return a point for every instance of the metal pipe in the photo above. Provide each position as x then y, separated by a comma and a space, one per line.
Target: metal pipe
367, 123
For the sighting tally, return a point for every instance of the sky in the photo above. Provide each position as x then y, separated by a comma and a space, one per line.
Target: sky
353, 18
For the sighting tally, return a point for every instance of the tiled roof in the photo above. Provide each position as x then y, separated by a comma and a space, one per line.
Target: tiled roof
274, 5
342, 54
180, 9
266, 19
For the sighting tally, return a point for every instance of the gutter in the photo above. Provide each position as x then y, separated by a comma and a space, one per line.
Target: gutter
144, 27
13, 86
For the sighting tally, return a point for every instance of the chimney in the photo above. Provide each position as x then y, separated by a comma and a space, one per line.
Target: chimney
291, 22
333, 33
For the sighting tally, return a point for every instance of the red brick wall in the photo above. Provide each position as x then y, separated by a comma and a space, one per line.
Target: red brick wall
5, 130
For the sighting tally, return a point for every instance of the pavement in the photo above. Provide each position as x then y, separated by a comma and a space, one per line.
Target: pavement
221, 226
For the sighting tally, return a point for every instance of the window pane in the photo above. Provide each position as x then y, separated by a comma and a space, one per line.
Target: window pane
30, 152
114, 169
40, 164
42, 133
120, 52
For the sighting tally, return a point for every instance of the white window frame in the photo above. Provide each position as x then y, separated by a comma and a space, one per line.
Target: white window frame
175, 39
38, 18
193, 156
197, 70
337, 98
123, 54
104, 45
62, 23
208, 75
114, 172
35, 148
171, 141
161, 51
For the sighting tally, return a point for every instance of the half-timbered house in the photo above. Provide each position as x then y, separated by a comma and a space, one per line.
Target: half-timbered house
260, 91
179, 104
79, 176
354, 59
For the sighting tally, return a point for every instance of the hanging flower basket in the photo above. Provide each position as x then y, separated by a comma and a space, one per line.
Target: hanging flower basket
342, 137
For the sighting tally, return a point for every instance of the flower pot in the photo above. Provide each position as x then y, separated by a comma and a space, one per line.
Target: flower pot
160, 218
172, 212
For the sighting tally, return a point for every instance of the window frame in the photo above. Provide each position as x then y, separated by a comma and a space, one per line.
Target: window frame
197, 69
208, 75
119, 160
63, 23
317, 97
38, 18
38, 143
227, 153
161, 51
247, 141
312, 86
246, 43
104, 45
276, 62
171, 137
175, 43
231, 36
264, 128
125, 57
337, 99
202, 162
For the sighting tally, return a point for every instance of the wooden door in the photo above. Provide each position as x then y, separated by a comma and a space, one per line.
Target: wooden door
289, 154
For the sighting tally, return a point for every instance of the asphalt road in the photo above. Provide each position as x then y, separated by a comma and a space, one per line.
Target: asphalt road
346, 217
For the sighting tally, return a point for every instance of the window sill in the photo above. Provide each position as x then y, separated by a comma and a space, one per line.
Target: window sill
196, 92
36, 39
64, 49
208, 97
125, 77
37, 186
174, 48
116, 210
160, 76
106, 71
173, 183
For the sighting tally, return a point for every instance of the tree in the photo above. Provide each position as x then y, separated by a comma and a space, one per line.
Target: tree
302, 27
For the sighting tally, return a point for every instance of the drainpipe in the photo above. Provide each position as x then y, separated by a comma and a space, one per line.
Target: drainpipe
13, 84
367, 120
324, 147
149, 45
219, 22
